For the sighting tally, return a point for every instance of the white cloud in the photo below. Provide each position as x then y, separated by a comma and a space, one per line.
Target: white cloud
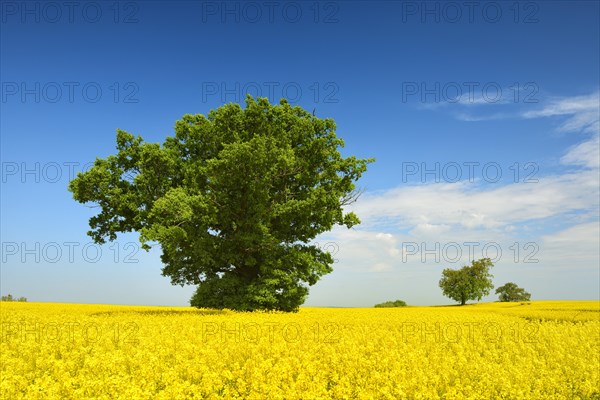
476, 118
445, 206
574, 247
472, 98
366, 250
566, 105
427, 229
381, 267
583, 113
584, 122
581, 234
585, 154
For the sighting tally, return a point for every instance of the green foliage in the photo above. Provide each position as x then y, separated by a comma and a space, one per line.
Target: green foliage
468, 283
511, 292
397, 303
232, 199
9, 297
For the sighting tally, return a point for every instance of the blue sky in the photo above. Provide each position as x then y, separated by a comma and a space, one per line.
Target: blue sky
483, 120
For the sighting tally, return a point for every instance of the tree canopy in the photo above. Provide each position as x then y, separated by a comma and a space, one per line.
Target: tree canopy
233, 199
511, 292
471, 282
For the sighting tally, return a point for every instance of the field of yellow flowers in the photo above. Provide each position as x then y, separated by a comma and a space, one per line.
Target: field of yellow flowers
533, 350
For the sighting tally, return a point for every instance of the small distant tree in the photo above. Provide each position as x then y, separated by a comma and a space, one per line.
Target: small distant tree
397, 303
471, 282
511, 292
9, 297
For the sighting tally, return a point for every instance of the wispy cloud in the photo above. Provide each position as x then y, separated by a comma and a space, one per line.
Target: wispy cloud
471, 100
462, 116
583, 113
585, 154
566, 105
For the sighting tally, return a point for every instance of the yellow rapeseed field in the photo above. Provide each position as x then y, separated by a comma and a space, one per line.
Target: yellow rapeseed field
534, 350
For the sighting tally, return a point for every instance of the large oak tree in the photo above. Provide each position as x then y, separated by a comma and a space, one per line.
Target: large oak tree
233, 199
